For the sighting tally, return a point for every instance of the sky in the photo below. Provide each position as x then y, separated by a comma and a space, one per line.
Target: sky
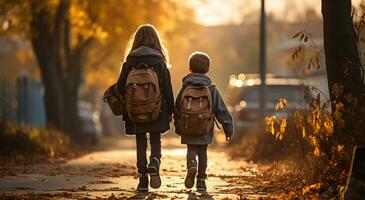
217, 12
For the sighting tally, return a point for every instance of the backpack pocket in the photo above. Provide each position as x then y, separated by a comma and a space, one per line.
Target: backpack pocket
195, 123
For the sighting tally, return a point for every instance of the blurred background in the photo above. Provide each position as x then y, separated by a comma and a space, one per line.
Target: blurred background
89, 38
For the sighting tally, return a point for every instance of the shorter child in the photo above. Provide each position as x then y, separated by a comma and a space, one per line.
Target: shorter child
197, 105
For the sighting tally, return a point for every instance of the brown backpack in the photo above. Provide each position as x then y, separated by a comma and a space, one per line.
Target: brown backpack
196, 113
143, 94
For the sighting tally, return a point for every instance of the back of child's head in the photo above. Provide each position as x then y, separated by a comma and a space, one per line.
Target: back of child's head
148, 36
199, 62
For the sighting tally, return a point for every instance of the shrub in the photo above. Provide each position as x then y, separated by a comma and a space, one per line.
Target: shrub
325, 138
20, 142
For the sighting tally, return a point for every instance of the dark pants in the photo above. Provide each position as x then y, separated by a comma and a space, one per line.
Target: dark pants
201, 152
141, 140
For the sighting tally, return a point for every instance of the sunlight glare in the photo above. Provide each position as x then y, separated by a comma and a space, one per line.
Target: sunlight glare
218, 12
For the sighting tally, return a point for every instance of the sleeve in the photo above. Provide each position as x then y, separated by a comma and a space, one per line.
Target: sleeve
177, 103
221, 113
122, 80
177, 110
167, 90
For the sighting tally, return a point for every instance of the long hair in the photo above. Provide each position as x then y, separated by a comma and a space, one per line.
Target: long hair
146, 35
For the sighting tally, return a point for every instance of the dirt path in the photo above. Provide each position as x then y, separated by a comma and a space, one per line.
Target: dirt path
112, 173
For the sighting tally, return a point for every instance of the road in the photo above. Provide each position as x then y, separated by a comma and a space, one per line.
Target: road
111, 173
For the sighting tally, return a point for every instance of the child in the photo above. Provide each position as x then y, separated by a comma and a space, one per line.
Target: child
145, 86
197, 105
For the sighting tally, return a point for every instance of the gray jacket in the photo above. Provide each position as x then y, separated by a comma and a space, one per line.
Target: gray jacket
219, 109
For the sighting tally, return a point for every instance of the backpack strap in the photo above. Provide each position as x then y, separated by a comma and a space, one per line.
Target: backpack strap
211, 88
216, 123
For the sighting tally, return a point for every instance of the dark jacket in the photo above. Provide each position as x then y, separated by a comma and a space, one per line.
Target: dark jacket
153, 58
219, 109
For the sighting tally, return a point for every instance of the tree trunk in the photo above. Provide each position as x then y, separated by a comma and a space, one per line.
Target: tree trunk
341, 53
60, 65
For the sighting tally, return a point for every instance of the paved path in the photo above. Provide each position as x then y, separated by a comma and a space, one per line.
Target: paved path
111, 173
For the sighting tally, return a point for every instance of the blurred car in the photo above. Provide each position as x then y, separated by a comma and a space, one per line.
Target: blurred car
90, 122
245, 100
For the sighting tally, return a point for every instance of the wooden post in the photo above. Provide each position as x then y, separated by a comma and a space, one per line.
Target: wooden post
262, 60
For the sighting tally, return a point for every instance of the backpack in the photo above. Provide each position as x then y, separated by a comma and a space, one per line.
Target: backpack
143, 94
112, 98
196, 115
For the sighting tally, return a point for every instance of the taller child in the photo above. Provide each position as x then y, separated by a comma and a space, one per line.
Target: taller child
145, 86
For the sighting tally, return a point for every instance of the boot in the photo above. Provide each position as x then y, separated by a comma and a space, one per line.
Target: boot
154, 171
191, 173
200, 184
143, 182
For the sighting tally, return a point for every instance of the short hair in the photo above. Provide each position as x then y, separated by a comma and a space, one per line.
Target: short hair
199, 62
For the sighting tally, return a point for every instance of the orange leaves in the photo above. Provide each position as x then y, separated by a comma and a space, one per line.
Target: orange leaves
337, 90
309, 188
303, 36
328, 124
272, 122
297, 52
340, 147
313, 125
302, 52
83, 25
283, 103
314, 120
338, 116
280, 134
314, 62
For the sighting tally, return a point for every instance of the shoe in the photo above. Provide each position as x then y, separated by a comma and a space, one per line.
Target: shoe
143, 182
200, 184
154, 171
191, 173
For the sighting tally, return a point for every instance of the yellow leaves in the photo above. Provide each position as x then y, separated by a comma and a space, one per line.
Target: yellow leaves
299, 122
283, 103
271, 121
314, 120
82, 25
316, 151
328, 124
280, 134
340, 147
314, 142
309, 188
315, 125
270, 124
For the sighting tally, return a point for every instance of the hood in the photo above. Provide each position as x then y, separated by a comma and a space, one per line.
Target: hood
197, 79
144, 51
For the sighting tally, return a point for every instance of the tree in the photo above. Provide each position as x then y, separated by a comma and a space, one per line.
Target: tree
344, 69
71, 37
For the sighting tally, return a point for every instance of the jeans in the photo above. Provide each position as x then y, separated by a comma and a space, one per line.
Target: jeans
141, 140
201, 152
